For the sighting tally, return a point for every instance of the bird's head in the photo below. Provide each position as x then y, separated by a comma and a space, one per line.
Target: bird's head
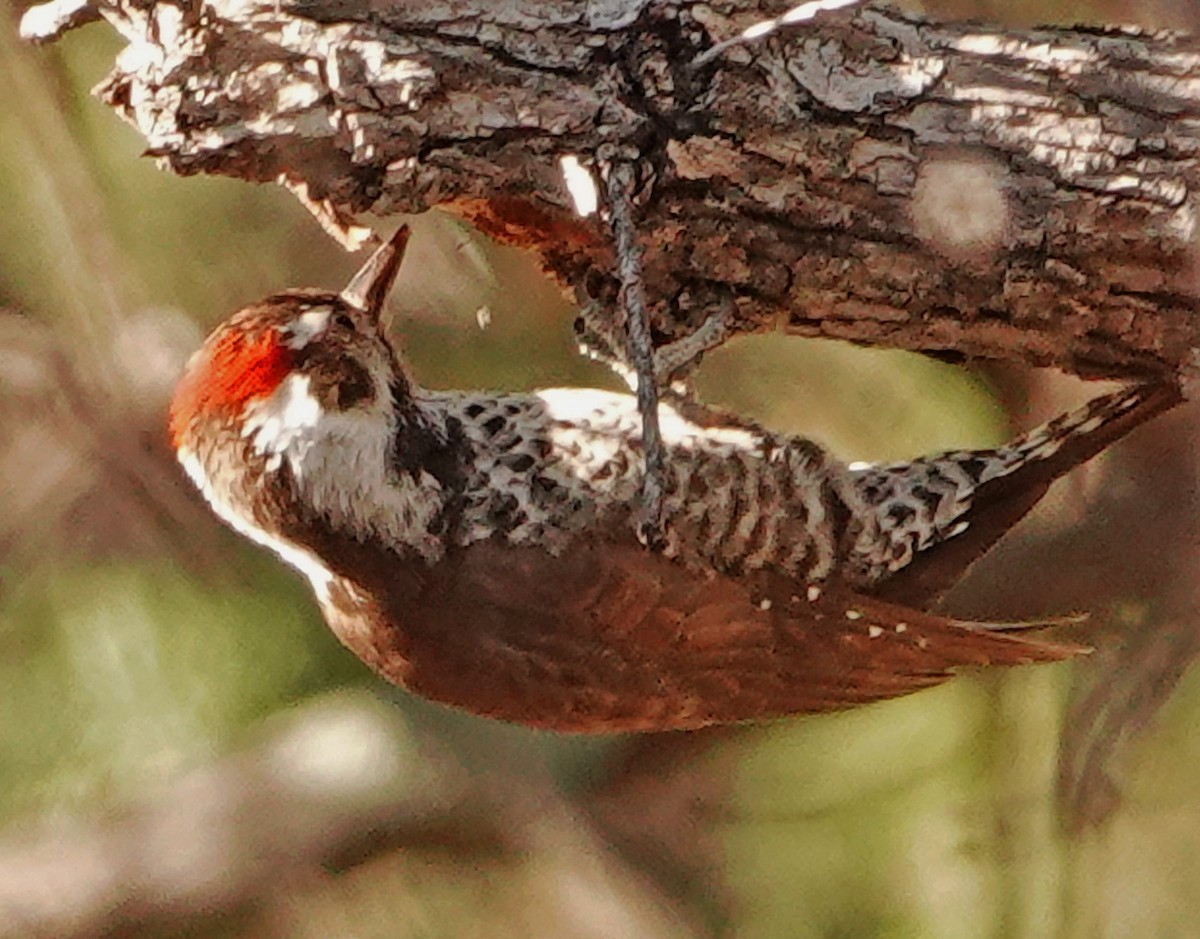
292, 359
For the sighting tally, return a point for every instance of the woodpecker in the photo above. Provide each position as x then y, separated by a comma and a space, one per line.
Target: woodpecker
480, 549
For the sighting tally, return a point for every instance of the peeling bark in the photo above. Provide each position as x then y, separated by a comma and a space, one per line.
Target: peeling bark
870, 176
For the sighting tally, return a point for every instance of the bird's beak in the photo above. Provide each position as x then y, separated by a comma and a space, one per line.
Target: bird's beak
368, 289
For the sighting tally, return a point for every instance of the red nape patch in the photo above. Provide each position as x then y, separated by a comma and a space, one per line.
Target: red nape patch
232, 369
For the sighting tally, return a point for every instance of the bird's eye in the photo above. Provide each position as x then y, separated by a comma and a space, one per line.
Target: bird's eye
343, 321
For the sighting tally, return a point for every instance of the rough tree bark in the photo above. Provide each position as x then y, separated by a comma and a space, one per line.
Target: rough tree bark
870, 175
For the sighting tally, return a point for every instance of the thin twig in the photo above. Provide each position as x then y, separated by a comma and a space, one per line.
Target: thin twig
620, 183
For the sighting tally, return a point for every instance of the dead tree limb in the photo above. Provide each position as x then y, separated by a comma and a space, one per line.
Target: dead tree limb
871, 176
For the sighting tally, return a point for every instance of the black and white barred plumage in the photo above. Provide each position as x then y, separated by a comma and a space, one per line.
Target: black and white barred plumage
480, 549
549, 465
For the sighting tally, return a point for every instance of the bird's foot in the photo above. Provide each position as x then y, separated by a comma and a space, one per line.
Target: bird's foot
598, 338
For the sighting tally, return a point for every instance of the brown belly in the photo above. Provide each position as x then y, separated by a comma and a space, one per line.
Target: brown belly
612, 638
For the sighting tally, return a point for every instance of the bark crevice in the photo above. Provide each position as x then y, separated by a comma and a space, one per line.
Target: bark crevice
870, 175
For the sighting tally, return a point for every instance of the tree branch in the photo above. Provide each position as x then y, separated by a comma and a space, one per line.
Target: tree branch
870, 175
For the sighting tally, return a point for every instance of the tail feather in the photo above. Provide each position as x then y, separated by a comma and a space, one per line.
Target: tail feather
972, 498
847, 650
1021, 626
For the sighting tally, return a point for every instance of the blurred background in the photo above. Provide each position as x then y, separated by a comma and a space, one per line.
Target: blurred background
186, 750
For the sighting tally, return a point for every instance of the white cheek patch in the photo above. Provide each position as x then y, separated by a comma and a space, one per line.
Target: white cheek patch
306, 327
339, 462
285, 422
